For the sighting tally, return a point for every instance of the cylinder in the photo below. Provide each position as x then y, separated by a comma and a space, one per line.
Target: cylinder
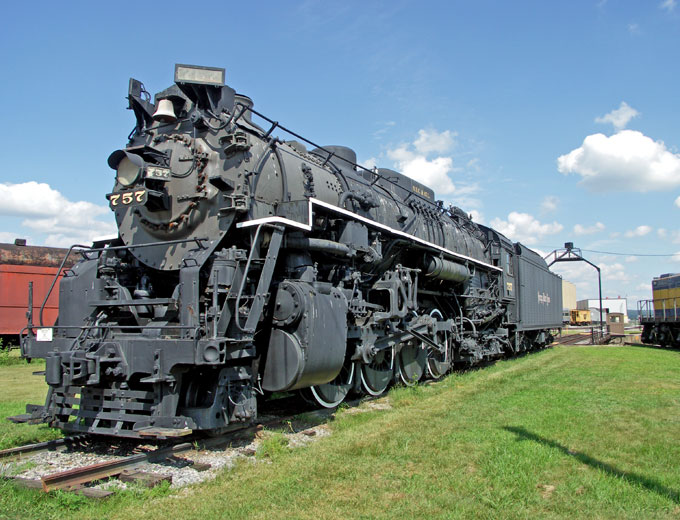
53, 369
446, 270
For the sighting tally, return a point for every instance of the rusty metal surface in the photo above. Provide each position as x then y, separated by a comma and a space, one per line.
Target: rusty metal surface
14, 295
79, 476
20, 265
35, 255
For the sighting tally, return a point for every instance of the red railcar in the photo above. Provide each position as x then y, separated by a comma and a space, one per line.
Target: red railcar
19, 265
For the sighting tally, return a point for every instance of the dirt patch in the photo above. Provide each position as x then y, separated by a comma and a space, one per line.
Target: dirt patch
546, 490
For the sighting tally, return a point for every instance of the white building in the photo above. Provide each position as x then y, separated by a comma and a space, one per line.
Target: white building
608, 305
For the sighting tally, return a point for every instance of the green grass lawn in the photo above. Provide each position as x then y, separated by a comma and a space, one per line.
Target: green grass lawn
18, 386
569, 432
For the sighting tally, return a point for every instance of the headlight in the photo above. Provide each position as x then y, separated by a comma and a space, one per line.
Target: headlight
127, 172
128, 166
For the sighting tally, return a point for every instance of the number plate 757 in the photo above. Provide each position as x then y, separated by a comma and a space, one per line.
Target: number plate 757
127, 198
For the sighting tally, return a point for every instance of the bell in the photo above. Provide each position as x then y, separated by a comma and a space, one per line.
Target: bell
165, 112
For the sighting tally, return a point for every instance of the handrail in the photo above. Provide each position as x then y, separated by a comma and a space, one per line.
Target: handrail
56, 277
660, 308
331, 154
87, 249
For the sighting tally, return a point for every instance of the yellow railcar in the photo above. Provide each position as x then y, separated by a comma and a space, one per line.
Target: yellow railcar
579, 317
666, 294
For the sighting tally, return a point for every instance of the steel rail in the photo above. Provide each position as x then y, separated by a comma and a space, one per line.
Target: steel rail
77, 477
74, 478
53, 445
572, 339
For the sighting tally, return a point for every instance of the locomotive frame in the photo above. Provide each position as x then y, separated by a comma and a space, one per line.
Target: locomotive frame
247, 266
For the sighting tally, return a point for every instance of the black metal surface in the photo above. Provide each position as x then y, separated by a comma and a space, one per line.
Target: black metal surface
270, 268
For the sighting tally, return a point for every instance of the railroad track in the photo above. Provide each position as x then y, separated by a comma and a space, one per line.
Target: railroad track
31, 449
576, 339
279, 413
130, 467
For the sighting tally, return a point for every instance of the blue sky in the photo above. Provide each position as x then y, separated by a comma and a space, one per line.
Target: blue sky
551, 121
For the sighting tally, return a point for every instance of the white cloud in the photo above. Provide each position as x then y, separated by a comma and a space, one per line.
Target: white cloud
588, 230
626, 161
549, 204
677, 202
613, 272
522, 227
633, 28
639, 231
412, 160
619, 117
672, 235
631, 259
668, 5
582, 275
47, 212
8, 237
369, 163
431, 141
477, 216
433, 173
676, 257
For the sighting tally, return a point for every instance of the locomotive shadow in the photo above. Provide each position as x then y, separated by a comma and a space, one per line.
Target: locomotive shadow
630, 477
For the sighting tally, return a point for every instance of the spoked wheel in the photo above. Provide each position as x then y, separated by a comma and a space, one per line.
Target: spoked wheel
411, 361
331, 394
439, 361
376, 376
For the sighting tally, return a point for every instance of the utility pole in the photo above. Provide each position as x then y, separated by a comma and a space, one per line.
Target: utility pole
571, 254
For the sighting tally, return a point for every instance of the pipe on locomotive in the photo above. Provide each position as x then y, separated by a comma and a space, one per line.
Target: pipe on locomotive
434, 267
319, 244
446, 270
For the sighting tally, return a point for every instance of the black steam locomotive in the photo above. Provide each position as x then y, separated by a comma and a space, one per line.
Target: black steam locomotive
247, 265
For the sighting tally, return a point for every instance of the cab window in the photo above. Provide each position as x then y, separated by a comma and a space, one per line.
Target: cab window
508, 263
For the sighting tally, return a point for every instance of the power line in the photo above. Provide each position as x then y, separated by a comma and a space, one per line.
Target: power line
625, 254
621, 254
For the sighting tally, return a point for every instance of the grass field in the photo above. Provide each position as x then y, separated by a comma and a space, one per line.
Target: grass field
19, 386
569, 432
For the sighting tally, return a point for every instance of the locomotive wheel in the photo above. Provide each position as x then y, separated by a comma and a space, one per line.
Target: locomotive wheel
439, 363
331, 394
376, 376
411, 361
